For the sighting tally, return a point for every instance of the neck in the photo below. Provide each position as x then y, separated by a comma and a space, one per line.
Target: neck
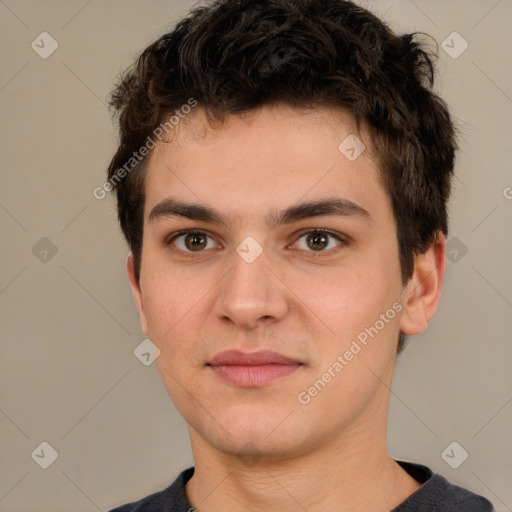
340, 476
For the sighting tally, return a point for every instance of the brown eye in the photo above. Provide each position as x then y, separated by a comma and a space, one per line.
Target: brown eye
191, 241
317, 241
320, 241
195, 241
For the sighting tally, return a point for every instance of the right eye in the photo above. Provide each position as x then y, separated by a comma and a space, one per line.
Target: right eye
190, 241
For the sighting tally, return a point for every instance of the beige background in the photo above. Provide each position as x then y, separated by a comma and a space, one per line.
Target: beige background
68, 325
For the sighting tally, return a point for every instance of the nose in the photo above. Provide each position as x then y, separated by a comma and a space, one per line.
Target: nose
251, 295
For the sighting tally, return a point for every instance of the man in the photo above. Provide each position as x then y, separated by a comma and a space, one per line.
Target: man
282, 179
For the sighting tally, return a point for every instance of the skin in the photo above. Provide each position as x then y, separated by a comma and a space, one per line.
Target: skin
260, 448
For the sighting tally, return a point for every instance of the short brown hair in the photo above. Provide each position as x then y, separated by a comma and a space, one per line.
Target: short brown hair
233, 56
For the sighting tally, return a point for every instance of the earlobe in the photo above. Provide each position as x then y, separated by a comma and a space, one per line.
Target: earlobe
423, 291
136, 291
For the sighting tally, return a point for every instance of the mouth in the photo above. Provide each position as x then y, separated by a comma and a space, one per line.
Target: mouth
252, 369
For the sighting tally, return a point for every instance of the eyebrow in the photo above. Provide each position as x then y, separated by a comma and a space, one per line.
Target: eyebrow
330, 206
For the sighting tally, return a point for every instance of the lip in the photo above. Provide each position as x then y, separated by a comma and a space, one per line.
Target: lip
252, 369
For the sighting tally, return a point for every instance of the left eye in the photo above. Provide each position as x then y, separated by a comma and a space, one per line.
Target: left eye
319, 241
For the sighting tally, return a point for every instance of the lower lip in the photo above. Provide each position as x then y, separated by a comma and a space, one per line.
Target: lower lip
254, 376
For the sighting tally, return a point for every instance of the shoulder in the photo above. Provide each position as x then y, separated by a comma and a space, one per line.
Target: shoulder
437, 494
171, 499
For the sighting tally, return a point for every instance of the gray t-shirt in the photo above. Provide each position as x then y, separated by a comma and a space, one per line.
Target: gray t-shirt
436, 494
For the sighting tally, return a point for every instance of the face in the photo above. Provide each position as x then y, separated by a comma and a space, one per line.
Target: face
263, 238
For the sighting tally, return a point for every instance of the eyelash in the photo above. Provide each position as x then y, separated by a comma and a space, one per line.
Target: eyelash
342, 239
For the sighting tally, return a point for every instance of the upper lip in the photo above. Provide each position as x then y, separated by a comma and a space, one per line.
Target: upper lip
238, 358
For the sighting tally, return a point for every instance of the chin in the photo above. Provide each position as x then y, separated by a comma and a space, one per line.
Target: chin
258, 436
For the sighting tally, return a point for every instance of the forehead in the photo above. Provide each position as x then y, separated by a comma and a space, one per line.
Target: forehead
269, 158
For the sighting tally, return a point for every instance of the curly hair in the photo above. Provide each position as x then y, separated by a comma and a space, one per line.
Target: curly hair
233, 56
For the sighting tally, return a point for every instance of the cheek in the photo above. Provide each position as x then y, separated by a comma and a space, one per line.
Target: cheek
177, 308
167, 294
353, 297
167, 307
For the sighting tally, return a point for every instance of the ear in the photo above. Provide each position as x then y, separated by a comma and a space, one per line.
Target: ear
137, 295
423, 291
